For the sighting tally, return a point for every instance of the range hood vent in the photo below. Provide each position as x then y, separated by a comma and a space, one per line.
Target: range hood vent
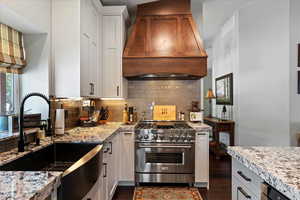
164, 43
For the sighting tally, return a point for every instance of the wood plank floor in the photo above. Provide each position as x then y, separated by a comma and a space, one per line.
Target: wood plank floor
220, 183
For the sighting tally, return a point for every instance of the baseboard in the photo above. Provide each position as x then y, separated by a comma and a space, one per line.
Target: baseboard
201, 185
126, 183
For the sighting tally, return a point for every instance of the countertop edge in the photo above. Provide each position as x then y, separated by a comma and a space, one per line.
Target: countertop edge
286, 189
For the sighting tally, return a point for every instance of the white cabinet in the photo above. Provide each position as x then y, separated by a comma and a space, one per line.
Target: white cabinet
245, 184
118, 163
89, 67
103, 188
114, 37
241, 192
112, 166
126, 157
75, 47
202, 159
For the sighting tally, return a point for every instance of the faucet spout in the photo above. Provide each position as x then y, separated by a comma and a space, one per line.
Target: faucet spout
21, 144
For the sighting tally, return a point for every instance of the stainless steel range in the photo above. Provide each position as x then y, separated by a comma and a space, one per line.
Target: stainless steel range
164, 152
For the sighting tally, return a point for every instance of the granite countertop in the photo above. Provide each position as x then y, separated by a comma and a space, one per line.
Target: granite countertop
28, 185
8, 135
96, 134
37, 185
200, 126
278, 166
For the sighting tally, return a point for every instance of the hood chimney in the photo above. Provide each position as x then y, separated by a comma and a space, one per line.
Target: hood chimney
164, 43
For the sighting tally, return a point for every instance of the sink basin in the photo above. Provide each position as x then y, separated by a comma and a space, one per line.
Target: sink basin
80, 163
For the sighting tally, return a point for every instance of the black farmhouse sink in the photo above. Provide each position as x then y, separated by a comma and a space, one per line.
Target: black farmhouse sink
80, 163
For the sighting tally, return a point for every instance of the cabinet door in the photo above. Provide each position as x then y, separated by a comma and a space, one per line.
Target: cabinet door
202, 157
112, 55
85, 65
110, 171
127, 156
89, 50
103, 187
241, 192
94, 64
113, 167
93, 69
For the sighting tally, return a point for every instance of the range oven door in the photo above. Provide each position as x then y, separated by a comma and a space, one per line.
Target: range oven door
165, 158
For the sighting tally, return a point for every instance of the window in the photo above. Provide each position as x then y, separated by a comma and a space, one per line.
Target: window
8, 93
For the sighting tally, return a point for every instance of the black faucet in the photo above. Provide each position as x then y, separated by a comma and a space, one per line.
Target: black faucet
21, 144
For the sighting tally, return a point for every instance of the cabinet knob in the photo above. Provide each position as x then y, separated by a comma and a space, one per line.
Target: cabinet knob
118, 92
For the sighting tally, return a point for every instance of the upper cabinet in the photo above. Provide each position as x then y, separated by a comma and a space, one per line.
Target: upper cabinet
113, 40
76, 34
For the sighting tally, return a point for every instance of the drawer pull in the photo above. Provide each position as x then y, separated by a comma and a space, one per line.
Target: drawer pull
241, 190
105, 170
244, 176
127, 133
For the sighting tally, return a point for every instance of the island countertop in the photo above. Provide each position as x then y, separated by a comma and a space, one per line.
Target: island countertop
28, 185
277, 166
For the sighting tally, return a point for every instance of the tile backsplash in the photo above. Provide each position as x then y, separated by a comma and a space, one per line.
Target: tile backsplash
165, 92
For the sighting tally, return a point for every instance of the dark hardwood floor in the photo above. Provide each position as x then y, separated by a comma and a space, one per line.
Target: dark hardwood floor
220, 183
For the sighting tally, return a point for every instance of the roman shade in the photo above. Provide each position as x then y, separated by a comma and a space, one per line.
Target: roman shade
12, 53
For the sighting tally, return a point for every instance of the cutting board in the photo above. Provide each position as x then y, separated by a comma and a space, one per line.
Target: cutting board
164, 112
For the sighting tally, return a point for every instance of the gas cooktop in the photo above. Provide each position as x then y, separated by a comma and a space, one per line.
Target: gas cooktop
162, 125
164, 131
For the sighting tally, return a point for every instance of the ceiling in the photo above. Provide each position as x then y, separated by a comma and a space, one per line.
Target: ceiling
131, 4
216, 13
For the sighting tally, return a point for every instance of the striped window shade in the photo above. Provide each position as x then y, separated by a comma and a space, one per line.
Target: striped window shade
12, 52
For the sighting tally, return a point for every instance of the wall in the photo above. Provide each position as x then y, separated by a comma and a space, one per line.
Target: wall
36, 77
263, 109
142, 93
224, 61
294, 97
248, 45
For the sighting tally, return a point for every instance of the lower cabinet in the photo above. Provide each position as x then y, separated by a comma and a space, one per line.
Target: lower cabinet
126, 157
202, 159
113, 166
245, 184
118, 164
241, 192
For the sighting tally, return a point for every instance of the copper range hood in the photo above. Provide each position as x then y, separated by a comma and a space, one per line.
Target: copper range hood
164, 43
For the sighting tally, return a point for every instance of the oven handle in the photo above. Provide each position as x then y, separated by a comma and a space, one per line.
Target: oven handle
176, 147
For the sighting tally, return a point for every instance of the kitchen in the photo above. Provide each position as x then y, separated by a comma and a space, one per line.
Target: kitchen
131, 99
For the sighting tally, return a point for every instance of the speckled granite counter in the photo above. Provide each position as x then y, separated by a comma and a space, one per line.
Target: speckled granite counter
278, 166
38, 185
28, 185
96, 134
200, 126
8, 135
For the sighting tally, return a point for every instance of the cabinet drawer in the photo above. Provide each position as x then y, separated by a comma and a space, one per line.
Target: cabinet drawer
246, 177
241, 192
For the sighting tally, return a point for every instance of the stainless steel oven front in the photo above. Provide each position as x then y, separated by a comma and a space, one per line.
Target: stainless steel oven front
165, 162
